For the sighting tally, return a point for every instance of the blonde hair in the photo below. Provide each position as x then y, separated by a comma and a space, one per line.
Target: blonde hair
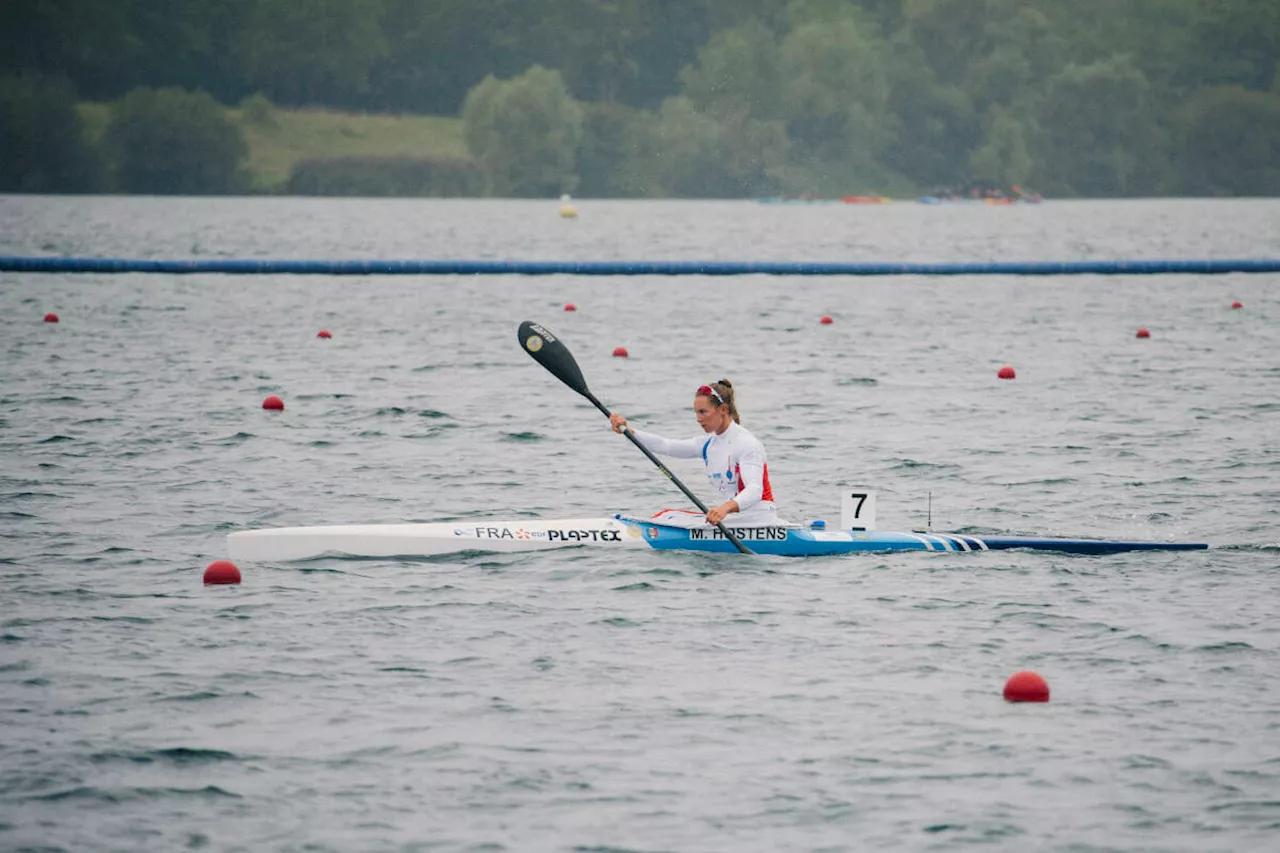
725, 389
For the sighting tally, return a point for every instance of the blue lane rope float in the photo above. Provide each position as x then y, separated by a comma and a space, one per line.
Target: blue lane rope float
462, 267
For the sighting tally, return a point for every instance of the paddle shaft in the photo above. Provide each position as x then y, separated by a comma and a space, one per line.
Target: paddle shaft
728, 534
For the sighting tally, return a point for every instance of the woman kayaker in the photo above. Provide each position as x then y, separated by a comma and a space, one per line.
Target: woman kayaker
734, 458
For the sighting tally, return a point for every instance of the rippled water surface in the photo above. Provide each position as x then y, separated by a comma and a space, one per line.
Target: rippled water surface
569, 701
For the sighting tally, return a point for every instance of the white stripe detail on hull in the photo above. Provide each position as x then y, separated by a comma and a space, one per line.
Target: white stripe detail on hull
946, 543
924, 540
949, 542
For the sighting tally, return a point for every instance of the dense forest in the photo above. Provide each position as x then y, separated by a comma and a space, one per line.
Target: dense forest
654, 98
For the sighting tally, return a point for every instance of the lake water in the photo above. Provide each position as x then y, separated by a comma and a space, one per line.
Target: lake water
573, 701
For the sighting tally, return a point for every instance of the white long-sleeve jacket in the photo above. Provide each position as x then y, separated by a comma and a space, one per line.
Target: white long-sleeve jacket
736, 466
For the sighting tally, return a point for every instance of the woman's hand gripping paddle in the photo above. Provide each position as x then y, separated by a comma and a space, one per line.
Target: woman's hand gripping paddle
548, 351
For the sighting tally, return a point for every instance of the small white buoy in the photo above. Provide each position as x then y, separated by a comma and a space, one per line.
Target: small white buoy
567, 210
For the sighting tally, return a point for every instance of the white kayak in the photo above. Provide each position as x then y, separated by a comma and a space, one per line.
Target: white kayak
622, 532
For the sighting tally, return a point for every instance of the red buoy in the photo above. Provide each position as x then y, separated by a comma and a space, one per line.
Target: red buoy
1143, 333
826, 320
51, 318
221, 571
273, 403
569, 306
1006, 372
1026, 686
1233, 305
620, 352
324, 333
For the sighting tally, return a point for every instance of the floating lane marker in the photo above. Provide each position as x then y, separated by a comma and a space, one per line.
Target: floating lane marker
611, 268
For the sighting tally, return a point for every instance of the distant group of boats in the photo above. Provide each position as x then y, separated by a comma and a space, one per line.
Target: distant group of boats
940, 195
930, 199
927, 199
569, 211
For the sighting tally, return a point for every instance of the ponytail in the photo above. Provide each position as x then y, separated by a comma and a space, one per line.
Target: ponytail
725, 389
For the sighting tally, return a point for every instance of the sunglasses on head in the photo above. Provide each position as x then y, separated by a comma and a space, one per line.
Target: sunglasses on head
708, 391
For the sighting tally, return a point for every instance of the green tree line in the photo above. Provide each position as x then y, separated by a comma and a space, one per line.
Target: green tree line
645, 98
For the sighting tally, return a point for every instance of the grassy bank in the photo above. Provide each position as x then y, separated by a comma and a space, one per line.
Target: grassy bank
283, 138
294, 135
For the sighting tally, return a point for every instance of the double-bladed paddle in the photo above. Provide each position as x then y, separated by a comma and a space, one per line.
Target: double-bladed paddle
548, 351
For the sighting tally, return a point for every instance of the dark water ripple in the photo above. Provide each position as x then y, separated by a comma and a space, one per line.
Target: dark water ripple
651, 702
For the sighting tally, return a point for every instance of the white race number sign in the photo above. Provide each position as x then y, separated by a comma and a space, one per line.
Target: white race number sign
857, 509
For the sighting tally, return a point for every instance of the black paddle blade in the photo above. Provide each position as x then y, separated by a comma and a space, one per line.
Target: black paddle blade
548, 351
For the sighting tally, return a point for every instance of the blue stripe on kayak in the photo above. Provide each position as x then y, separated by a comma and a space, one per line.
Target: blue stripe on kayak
802, 543
1085, 546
